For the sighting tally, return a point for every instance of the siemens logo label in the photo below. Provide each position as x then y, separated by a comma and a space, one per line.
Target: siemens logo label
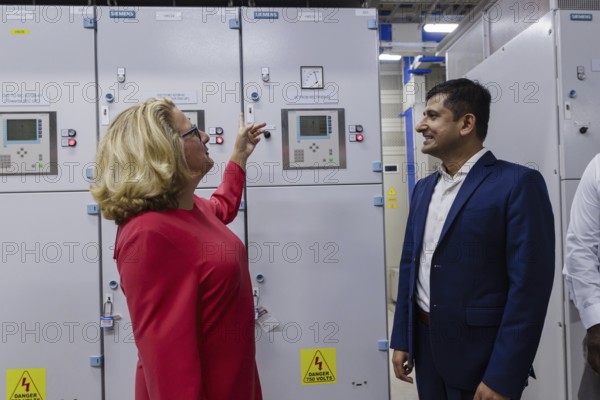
581, 17
266, 15
121, 14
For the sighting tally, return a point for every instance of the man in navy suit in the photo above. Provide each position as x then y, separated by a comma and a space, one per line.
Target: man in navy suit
478, 260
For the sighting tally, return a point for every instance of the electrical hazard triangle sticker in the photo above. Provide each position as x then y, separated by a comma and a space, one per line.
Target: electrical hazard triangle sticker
26, 384
318, 366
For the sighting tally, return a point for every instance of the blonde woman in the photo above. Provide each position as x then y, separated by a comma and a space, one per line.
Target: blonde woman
184, 273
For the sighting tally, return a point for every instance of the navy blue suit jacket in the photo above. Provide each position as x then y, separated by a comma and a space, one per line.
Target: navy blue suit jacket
491, 276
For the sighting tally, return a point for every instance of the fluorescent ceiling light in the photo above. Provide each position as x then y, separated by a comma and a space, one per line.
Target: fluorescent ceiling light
389, 57
439, 28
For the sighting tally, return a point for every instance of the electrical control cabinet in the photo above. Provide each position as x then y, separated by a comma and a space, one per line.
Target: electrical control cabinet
49, 280
315, 205
181, 61
312, 219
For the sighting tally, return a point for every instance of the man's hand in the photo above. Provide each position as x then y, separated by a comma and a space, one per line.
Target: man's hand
484, 392
402, 365
593, 347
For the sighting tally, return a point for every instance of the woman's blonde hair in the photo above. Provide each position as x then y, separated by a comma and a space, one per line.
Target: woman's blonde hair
140, 162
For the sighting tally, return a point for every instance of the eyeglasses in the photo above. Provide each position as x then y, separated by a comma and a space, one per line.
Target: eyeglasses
193, 131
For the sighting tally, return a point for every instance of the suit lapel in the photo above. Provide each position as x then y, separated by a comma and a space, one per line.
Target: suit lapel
423, 207
478, 174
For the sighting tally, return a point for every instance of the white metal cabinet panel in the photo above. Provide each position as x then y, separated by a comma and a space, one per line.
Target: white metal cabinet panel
396, 214
350, 78
321, 252
508, 18
190, 54
314, 234
523, 128
49, 291
576, 49
40, 76
466, 53
120, 353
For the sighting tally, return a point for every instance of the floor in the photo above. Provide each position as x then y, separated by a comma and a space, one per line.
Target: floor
400, 390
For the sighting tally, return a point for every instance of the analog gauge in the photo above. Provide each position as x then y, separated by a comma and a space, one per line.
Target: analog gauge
311, 77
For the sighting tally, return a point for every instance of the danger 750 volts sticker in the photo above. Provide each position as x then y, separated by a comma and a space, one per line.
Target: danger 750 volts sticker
29, 384
318, 366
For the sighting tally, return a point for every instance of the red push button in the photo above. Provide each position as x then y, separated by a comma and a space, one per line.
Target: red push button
219, 140
359, 137
72, 142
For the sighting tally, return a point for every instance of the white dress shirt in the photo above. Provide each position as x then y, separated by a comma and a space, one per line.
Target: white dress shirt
445, 192
582, 260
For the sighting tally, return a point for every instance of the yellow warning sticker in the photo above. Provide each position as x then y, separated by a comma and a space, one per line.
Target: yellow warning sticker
317, 366
391, 192
19, 32
392, 206
392, 199
29, 384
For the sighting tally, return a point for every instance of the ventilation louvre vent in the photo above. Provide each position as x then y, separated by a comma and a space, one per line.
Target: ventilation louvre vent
579, 4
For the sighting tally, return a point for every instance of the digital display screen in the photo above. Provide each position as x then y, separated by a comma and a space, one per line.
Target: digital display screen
21, 129
313, 125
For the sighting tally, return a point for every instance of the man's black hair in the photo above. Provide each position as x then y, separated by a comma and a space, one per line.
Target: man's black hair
466, 96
